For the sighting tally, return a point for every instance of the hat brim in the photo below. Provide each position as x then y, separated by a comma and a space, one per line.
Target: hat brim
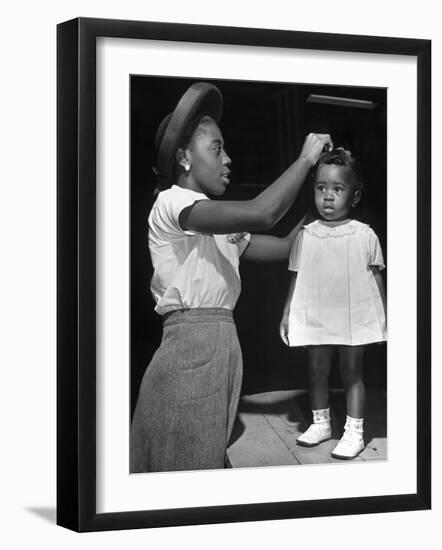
200, 99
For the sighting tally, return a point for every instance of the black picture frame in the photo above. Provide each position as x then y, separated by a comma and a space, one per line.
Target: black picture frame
76, 273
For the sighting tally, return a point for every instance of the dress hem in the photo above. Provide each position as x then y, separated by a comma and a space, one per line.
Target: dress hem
339, 343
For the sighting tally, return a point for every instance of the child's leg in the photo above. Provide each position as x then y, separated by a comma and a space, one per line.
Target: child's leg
351, 369
318, 373
318, 370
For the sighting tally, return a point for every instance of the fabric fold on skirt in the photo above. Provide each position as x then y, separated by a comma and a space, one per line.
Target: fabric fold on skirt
189, 394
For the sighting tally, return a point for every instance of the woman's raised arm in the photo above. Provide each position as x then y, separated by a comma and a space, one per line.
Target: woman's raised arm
263, 211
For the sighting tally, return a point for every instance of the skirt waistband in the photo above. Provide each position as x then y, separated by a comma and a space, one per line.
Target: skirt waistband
198, 315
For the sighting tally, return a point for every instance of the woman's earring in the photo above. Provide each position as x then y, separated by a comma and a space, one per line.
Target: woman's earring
187, 169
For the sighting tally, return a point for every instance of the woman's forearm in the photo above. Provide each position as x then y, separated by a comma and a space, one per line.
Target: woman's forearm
266, 248
265, 210
258, 214
278, 198
274, 201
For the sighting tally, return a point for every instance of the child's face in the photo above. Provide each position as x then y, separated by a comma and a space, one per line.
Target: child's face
208, 160
334, 192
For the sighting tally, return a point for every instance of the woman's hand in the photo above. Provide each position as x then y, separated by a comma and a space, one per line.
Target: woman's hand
284, 329
313, 146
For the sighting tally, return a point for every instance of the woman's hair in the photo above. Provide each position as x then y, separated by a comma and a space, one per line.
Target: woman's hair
191, 134
339, 157
194, 130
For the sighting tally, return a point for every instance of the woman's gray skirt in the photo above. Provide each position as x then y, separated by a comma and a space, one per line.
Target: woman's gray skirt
189, 394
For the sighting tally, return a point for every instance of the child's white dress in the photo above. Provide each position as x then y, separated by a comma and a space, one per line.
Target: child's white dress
336, 299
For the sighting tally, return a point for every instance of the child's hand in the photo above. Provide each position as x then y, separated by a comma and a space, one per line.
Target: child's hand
284, 330
313, 146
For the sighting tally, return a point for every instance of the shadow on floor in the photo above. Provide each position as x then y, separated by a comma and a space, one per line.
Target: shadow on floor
48, 514
297, 408
268, 425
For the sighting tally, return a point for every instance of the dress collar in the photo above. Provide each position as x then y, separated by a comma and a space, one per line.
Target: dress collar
322, 229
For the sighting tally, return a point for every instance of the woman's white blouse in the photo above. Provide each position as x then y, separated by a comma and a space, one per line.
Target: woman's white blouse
191, 270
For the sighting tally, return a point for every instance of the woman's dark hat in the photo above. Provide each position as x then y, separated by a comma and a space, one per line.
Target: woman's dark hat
200, 99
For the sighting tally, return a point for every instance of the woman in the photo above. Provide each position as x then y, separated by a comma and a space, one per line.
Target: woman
189, 394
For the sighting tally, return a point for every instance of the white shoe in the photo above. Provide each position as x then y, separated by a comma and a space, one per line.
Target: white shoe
350, 445
315, 434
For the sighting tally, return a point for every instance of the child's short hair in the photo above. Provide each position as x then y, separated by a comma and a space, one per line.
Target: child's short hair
339, 157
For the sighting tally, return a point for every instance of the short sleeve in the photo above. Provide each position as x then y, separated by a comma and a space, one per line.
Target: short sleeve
375, 257
295, 254
173, 203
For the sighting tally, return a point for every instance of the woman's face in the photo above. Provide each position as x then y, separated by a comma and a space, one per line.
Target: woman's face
209, 163
334, 192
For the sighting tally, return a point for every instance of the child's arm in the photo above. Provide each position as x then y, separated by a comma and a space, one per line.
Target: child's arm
266, 248
284, 325
380, 282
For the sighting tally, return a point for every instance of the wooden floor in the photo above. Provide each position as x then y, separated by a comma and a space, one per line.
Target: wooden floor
268, 424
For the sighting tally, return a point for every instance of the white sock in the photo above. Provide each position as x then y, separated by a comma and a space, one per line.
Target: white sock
354, 424
321, 416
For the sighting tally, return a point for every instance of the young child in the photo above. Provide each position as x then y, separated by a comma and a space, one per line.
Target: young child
189, 393
336, 299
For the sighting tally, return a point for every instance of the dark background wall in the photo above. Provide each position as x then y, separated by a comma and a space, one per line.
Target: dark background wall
264, 126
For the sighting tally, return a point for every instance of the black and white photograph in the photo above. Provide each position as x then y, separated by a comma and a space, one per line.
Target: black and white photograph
221, 247
258, 274
243, 268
